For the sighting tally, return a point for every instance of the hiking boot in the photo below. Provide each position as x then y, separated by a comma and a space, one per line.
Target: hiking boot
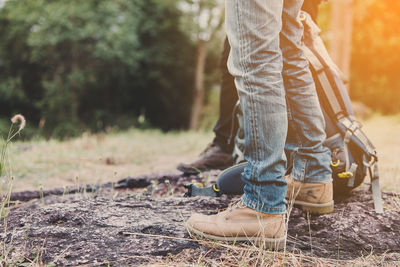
213, 157
316, 198
240, 223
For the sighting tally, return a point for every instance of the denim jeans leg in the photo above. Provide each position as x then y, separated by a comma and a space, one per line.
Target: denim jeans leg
311, 159
253, 28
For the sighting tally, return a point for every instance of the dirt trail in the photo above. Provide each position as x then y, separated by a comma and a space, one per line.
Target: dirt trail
138, 226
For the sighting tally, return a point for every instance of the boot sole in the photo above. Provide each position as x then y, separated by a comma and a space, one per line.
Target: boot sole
264, 242
318, 209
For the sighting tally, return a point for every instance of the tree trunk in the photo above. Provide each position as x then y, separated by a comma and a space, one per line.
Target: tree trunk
341, 27
336, 30
347, 37
198, 96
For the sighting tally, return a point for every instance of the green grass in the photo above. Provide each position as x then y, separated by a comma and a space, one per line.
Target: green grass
100, 158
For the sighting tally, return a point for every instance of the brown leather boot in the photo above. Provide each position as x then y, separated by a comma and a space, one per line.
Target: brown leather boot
240, 223
316, 198
213, 157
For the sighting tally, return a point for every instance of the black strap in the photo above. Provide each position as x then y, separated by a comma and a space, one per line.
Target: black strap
376, 190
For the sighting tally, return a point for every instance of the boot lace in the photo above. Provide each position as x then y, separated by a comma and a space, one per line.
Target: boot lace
236, 204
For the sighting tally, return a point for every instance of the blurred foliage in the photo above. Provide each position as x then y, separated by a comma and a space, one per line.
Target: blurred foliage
203, 18
376, 55
73, 65
209, 115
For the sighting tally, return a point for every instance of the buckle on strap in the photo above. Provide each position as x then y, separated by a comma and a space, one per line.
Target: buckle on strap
353, 129
350, 125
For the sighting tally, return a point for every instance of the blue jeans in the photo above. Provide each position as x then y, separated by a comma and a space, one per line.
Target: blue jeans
277, 94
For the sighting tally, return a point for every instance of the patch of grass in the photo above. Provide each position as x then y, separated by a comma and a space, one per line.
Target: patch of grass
100, 158
6, 179
224, 254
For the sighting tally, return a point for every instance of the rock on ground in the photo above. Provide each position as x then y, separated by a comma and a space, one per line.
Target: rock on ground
134, 227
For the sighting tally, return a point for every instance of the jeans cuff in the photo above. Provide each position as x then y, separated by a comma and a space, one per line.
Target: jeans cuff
262, 207
324, 180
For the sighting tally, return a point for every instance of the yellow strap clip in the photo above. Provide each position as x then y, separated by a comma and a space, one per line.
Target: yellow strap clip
345, 175
215, 188
335, 164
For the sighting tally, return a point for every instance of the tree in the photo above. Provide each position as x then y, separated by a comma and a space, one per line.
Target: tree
342, 28
94, 63
205, 18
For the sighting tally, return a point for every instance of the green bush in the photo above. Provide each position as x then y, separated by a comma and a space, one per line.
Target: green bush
83, 64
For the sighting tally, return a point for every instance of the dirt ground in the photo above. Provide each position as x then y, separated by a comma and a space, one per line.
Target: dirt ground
144, 225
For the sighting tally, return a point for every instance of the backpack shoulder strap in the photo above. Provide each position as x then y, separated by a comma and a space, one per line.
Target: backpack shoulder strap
323, 79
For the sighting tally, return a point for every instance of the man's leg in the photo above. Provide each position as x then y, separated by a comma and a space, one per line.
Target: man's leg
255, 61
228, 96
311, 159
253, 29
225, 125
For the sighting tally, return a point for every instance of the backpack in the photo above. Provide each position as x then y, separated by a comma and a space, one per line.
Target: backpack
353, 154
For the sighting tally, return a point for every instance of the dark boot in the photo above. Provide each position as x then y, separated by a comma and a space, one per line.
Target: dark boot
213, 157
